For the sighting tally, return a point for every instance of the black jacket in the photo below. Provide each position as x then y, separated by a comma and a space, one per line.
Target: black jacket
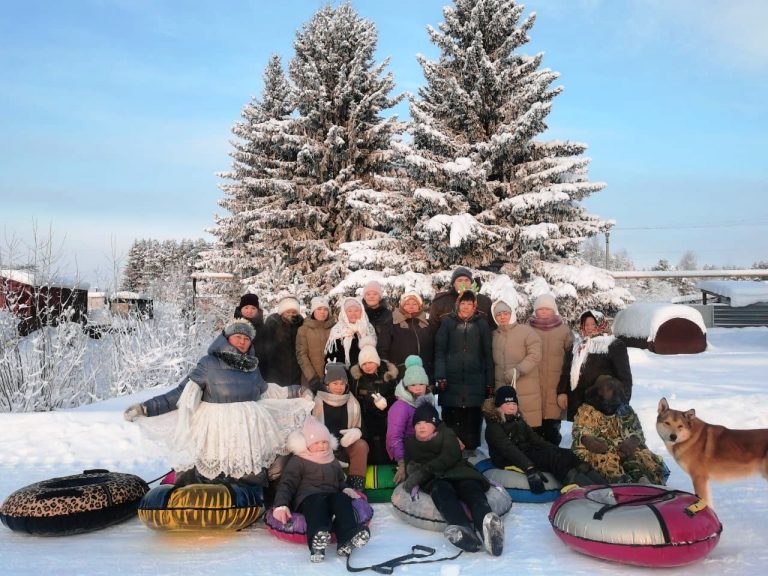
277, 346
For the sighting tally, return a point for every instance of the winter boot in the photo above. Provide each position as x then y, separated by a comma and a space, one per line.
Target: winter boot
361, 538
320, 542
493, 534
344, 550
463, 537
356, 483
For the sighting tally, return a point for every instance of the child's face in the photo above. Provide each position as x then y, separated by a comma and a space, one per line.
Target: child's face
319, 446
509, 408
424, 430
417, 390
370, 367
337, 387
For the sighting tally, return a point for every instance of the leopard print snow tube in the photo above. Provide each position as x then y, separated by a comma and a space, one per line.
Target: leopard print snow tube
73, 504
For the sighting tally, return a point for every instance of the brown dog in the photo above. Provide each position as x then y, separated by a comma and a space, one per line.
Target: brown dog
708, 451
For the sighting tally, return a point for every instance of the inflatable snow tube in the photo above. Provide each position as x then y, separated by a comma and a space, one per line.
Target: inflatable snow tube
226, 506
423, 514
516, 483
380, 482
75, 504
296, 530
638, 524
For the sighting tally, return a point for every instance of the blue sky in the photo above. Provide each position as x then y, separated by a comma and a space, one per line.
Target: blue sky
116, 114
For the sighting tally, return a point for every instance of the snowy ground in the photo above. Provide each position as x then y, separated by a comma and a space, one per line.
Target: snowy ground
726, 385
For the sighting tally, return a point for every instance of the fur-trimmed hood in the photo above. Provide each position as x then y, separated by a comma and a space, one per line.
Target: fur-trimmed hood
389, 372
297, 444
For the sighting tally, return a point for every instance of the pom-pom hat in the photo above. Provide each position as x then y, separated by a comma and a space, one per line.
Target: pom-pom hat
415, 375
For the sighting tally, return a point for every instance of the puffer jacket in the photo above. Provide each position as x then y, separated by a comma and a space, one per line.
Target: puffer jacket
400, 420
220, 380
509, 438
597, 356
363, 386
441, 457
404, 336
556, 345
517, 346
379, 317
279, 362
463, 357
310, 348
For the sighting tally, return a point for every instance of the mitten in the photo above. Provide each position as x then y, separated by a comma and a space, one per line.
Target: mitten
349, 436
352, 493
400, 474
562, 401
135, 411
535, 480
441, 384
282, 514
629, 446
417, 475
379, 401
594, 444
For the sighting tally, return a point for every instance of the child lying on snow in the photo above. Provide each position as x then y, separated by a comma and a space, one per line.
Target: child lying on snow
313, 484
435, 465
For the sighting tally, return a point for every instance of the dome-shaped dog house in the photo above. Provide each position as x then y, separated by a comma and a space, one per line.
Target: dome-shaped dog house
662, 328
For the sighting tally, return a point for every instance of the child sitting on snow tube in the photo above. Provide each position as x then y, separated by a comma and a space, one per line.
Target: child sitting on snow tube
434, 463
512, 442
313, 484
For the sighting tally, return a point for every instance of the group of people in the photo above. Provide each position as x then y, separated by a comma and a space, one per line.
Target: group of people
369, 379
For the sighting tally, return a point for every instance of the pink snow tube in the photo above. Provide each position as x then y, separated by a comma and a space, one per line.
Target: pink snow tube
296, 530
637, 524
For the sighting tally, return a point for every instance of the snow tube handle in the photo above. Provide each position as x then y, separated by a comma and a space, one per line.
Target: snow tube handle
388, 567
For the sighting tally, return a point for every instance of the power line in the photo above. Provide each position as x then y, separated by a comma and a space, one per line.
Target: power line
728, 224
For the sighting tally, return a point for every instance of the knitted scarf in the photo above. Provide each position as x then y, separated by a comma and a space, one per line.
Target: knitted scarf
336, 400
237, 360
545, 324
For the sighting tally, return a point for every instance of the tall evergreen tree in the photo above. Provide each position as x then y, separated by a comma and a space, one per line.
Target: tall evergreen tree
494, 196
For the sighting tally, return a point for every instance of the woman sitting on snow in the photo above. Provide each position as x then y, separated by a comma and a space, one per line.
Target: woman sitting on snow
224, 431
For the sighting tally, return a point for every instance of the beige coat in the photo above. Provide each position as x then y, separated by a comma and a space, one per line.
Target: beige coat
310, 348
517, 346
555, 344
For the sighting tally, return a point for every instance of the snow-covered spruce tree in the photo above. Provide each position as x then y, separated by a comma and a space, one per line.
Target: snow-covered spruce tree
492, 195
351, 209
260, 183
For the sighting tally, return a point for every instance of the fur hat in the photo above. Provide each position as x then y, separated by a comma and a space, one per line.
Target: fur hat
426, 412
505, 394
249, 300
545, 301
373, 286
368, 351
415, 374
318, 302
287, 303
411, 294
240, 326
335, 371
459, 272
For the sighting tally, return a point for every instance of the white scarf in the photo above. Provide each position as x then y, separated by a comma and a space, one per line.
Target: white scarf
347, 331
585, 347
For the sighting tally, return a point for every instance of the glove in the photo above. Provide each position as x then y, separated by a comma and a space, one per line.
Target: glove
135, 411
535, 480
352, 493
441, 384
594, 444
417, 475
315, 384
379, 401
562, 401
400, 474
282, 514
490, 392
511, 376
349, 436
628, 446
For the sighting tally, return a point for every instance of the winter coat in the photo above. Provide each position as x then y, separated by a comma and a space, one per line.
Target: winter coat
517, 346
405, 336
379, 317
463, 357
279, 362
384, 382
400, 421
556, 345
443, 305
591, 358
310, 348
302, 478
219, 377
441, 457
509, 438
590, 421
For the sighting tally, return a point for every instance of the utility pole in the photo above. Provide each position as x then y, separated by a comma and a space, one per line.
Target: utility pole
607, 249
